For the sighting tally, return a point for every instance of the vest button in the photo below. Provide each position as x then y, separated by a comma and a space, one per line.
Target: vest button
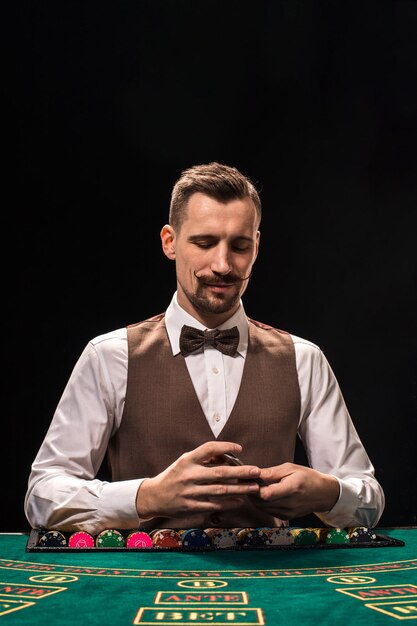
215, 519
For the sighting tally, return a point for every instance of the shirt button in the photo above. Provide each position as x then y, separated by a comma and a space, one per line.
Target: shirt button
217, 417
215, 519
215, 370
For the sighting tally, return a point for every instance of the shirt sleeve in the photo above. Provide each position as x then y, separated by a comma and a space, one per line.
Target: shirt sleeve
63, 491
332, 443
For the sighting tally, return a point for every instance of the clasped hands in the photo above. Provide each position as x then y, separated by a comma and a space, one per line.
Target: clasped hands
201, 481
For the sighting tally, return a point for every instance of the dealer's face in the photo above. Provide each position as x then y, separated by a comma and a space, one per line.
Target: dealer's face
214, 251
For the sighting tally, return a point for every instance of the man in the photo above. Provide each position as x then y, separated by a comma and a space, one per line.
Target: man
165, 407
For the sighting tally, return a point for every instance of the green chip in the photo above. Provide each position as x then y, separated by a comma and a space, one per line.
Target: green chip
110, 539
337, 535
304, 536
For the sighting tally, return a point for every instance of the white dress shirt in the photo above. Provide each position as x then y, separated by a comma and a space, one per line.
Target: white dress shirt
63, 490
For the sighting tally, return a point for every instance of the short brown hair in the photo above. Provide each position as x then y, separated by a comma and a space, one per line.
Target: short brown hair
221, 182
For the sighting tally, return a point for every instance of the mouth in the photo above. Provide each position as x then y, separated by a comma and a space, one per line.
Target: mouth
222, 285
219, 287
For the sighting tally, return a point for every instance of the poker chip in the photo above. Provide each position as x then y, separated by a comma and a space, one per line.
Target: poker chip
166, 538
138, 539
281, 536
361, 534
304, 536
222, 537
110, 539
254, 537
52, 539
81, 539
240, 534
336, 535
193, 538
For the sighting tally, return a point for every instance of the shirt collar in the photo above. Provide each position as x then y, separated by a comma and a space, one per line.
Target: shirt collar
176, 317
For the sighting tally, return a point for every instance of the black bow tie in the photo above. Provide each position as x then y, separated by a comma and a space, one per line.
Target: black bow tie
191, 339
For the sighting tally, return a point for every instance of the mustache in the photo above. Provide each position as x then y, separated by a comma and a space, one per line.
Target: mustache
228, 279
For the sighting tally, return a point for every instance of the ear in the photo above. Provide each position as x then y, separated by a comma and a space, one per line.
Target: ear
258, 238
168, 241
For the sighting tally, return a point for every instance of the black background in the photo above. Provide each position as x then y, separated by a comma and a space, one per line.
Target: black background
104, 103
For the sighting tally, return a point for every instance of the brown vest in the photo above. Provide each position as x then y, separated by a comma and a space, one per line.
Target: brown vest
163, 418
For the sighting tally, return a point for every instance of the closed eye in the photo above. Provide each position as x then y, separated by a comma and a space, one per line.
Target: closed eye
241, 244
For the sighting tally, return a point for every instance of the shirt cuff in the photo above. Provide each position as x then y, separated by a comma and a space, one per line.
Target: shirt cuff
118, 504
348, 510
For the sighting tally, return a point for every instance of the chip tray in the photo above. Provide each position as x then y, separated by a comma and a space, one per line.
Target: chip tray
380, 541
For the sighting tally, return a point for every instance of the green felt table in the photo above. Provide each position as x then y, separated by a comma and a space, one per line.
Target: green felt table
375, 585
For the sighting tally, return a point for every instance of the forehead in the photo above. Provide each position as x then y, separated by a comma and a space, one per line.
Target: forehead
210, 216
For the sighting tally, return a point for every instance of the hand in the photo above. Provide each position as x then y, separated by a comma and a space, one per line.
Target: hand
198, 481
294, 490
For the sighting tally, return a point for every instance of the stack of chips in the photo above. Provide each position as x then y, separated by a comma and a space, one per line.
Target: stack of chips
194, 538
81, 539
52, 539
222, 537
281, 536
166, 538
336, 535
254, 537
138, 539
305, 536
110, 539
361, 534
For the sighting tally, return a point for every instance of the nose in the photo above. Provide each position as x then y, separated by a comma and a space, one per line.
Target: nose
220, 263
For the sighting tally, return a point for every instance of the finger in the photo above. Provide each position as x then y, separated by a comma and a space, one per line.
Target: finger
274, 474
223, 490
231, 475
213, 449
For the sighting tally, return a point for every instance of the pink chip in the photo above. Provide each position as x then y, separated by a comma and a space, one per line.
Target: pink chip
81, 540
139, 539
